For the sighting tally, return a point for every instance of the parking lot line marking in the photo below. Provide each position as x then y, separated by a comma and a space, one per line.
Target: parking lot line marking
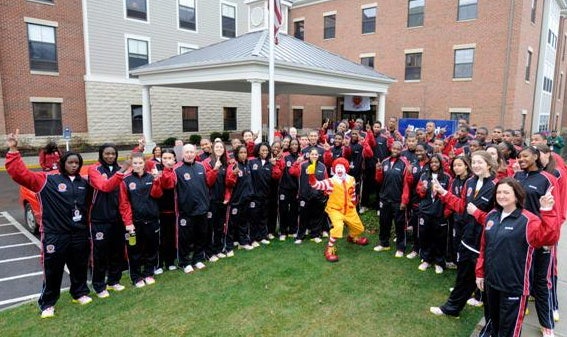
21, 229
9, 234
17, 245
21, 276
20, 258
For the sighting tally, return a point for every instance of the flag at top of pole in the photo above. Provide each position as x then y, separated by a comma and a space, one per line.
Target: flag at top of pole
278, 19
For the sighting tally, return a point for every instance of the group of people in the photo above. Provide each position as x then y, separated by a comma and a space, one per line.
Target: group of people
458, 201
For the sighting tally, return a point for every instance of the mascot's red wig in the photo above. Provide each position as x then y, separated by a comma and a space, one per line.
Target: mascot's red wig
342, 161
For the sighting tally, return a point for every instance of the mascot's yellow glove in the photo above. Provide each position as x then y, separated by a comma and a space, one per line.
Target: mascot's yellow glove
311, 168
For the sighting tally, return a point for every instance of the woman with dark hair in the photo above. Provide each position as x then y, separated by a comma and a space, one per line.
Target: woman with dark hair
417, 168
63, 227
503, 170
106, 227
511, 234
537, 183
288, 204
49, 157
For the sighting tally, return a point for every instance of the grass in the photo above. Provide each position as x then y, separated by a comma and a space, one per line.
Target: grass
280, 290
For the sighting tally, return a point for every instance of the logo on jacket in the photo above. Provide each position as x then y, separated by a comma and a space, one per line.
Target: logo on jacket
62, 187
414, 170
186, 176
104, 175
182, 222
50, 249
132, 186
489, 225
469, 191
385, 168
255, 166
288, 163
99, 236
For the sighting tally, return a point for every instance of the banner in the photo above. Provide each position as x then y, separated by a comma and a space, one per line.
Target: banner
356, 103
445, 126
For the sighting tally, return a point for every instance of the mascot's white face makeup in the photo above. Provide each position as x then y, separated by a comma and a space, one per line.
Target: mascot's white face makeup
340, 171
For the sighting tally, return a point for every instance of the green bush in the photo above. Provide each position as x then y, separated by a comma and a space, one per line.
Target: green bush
169, 141
215, 135
195, 139
225, 136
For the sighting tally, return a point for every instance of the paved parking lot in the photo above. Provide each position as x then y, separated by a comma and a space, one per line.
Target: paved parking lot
20, 270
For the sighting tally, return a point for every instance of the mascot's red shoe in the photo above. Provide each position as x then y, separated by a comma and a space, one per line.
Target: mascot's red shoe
361, 241
331, 254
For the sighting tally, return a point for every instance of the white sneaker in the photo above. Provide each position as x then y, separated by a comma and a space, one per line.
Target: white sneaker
282, 237
298, 241
412, 255
230, 254
399, 254
556, 315
149, 280
423, 267
200, 265
188, 269
255, 244
214, 258
158, 271
547, 332
436, 311
103, 294
172, 267
140, 284
325, 234
246, 247
265, 242
271, 236
83, 300
115, 287
317, 240
438, 269
381, 248
221, 255
378, 212
450, 265
362, 210
473, 302
48, 312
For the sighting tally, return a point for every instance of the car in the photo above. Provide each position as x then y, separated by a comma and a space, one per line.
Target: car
32, 207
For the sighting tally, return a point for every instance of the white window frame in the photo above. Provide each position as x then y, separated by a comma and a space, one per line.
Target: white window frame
126, 58
459, 47
232, 4
196, 19
147, 21
185, 45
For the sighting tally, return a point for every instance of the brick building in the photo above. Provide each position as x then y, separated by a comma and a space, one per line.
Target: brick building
41, 69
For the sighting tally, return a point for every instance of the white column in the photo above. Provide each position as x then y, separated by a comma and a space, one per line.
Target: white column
256, 108
147, 119
381, 113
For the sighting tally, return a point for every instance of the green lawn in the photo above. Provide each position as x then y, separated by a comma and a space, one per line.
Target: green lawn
280, 290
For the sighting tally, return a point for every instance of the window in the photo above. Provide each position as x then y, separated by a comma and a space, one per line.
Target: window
368, 20
410, 114
529, 65
463, 63
329, 26
137, 123
298, 118
229, 119
367, 61
47, 119
137, 53
455, 116
467, 10
42, 48
552, 39
228, 21
413, 67
187, 14
183, 50
415, 13
136, 9
534, 10
190, 116
299, 29
547, 84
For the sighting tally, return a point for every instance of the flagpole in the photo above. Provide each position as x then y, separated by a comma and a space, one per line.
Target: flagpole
271, 85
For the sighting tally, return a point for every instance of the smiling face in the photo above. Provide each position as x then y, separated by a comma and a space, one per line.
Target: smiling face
420, 152
313, 155
505, 197
263, 152
189, 153
109, 155
527, 160
479, 166
218, 149
396, 150
459, 167
138, 165
435, 164
340, 170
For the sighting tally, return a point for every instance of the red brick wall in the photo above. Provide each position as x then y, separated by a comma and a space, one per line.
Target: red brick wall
17, 82
437, 92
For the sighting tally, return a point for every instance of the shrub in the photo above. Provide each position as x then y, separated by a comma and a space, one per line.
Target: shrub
215, 135
169, 141
195, 139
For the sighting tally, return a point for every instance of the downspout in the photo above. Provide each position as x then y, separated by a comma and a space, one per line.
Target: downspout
507, 67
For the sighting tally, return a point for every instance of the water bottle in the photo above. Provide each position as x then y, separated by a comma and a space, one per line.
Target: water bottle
132, 238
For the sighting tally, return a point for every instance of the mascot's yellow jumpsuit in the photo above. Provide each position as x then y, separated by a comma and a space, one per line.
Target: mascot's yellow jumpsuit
341, 207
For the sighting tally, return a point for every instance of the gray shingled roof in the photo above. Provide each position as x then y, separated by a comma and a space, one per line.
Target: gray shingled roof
254, 46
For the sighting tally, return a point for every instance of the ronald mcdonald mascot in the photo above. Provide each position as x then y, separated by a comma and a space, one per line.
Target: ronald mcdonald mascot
341, 206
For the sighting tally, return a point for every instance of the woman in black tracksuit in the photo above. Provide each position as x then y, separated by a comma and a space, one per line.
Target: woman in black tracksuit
167, 220
287, 193
418, 167
461, 169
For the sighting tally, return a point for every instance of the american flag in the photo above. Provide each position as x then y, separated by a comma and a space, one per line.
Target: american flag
278, 19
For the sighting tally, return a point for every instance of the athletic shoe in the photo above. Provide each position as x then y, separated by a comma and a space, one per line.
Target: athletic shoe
362, 210
221, 255
381, 248
103, 294
255, 244
450, 265
115, 287
547, 332
158, 271
246, 247
438, 269
140, 284
436, 311
214, 258
48, 312
200, 265
423, 266
188, 269
149, 280
361, 241
265, 242
172, 267
230, 254
378, 212
83, 300
298, 241
331, 254
556, 315
271, 236
325, 234
317, 240
282, 237
412, 255
473, 302
399, 254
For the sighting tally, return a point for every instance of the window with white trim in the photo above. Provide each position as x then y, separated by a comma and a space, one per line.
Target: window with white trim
47, 119
187, 15
413, 66
464, 59
228, 20
416, 9
467, 10
137, 9
367, 61
368, 20
137, 53
329, 22
190, 117
42, 47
